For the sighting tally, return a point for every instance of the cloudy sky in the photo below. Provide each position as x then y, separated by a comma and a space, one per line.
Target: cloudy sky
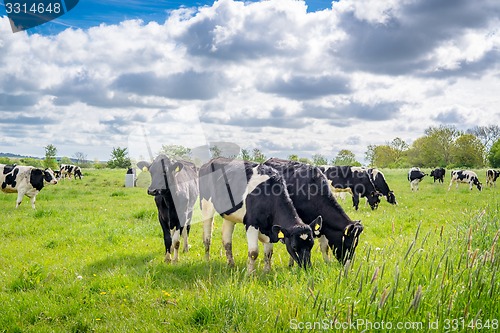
282, 75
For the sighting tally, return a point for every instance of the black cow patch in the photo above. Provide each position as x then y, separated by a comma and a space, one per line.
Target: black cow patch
36, 179
11, 178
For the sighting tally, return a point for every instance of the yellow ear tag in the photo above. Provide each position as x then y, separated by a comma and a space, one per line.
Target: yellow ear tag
281, 235
177, 169
316, 227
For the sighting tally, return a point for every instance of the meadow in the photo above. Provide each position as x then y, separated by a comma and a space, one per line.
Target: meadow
90, 259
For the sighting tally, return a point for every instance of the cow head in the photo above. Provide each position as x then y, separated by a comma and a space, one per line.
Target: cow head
345, 247
478, 183
391, 198
374, 199
49, 176
163, 171
299, 240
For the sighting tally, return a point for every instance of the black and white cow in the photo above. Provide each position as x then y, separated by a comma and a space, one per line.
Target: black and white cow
355, 178
378, 179
465, 176
70, 170
491, 177
256, 195
25, 180
311, 195
415, 176
174, 185
438, 174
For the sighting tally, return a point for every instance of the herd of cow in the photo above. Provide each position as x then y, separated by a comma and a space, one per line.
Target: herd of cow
415, 176
277, 201
29, 181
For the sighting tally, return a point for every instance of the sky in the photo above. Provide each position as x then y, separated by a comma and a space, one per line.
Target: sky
284, 76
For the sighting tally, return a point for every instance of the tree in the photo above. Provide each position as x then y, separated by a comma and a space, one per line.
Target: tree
245, 155
345, 157
119, 158
293, 157
50, 157
305, 160
258, 156
487, 134
494, 154
319, 159
176, 151
215, 151
80, 158
400, 148
66, 160
370, 154
441, 140
468, 151
384, 156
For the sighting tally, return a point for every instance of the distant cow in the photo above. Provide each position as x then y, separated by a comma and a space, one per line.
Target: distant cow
70, 170
25, 180
311, 195
491, 177
378, 179
255, 194
415, 176
355, 178
174, 185
438, 174
465, 176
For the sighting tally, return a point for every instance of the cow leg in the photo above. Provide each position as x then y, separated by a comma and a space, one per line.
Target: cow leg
19, 200
185, 234
253, 248
355, 201
227, 240
323, 245
33, 199
207, 216
176, 242
268, 254
449, 187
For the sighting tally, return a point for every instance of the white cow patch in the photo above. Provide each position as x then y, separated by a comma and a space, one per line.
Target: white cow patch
254, 181
304, 236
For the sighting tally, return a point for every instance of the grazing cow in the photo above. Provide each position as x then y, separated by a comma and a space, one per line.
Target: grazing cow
174, 185
438, 174
378, 179
491, 177
70, 169
255, 194
25, 180
311, 195
465, 176
415, 176
355, 178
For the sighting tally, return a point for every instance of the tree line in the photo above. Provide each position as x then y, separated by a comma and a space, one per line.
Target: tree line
441, 146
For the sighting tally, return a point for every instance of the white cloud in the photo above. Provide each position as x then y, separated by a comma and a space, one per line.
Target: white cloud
264, 74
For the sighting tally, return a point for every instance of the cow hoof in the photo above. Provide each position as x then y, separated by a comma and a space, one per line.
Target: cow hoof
230, 263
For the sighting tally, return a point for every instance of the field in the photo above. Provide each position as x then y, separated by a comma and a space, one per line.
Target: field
90, 258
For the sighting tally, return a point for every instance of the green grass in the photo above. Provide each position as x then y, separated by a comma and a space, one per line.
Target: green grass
90, 258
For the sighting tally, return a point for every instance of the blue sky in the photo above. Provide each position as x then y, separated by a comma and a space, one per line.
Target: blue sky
90, 13
284, 76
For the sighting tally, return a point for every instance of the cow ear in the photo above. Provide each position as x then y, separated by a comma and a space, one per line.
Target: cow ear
177, 167
316, 225
143, 164
280, 232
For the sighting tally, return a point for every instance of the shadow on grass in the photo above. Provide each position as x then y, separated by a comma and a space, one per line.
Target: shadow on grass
187, 271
